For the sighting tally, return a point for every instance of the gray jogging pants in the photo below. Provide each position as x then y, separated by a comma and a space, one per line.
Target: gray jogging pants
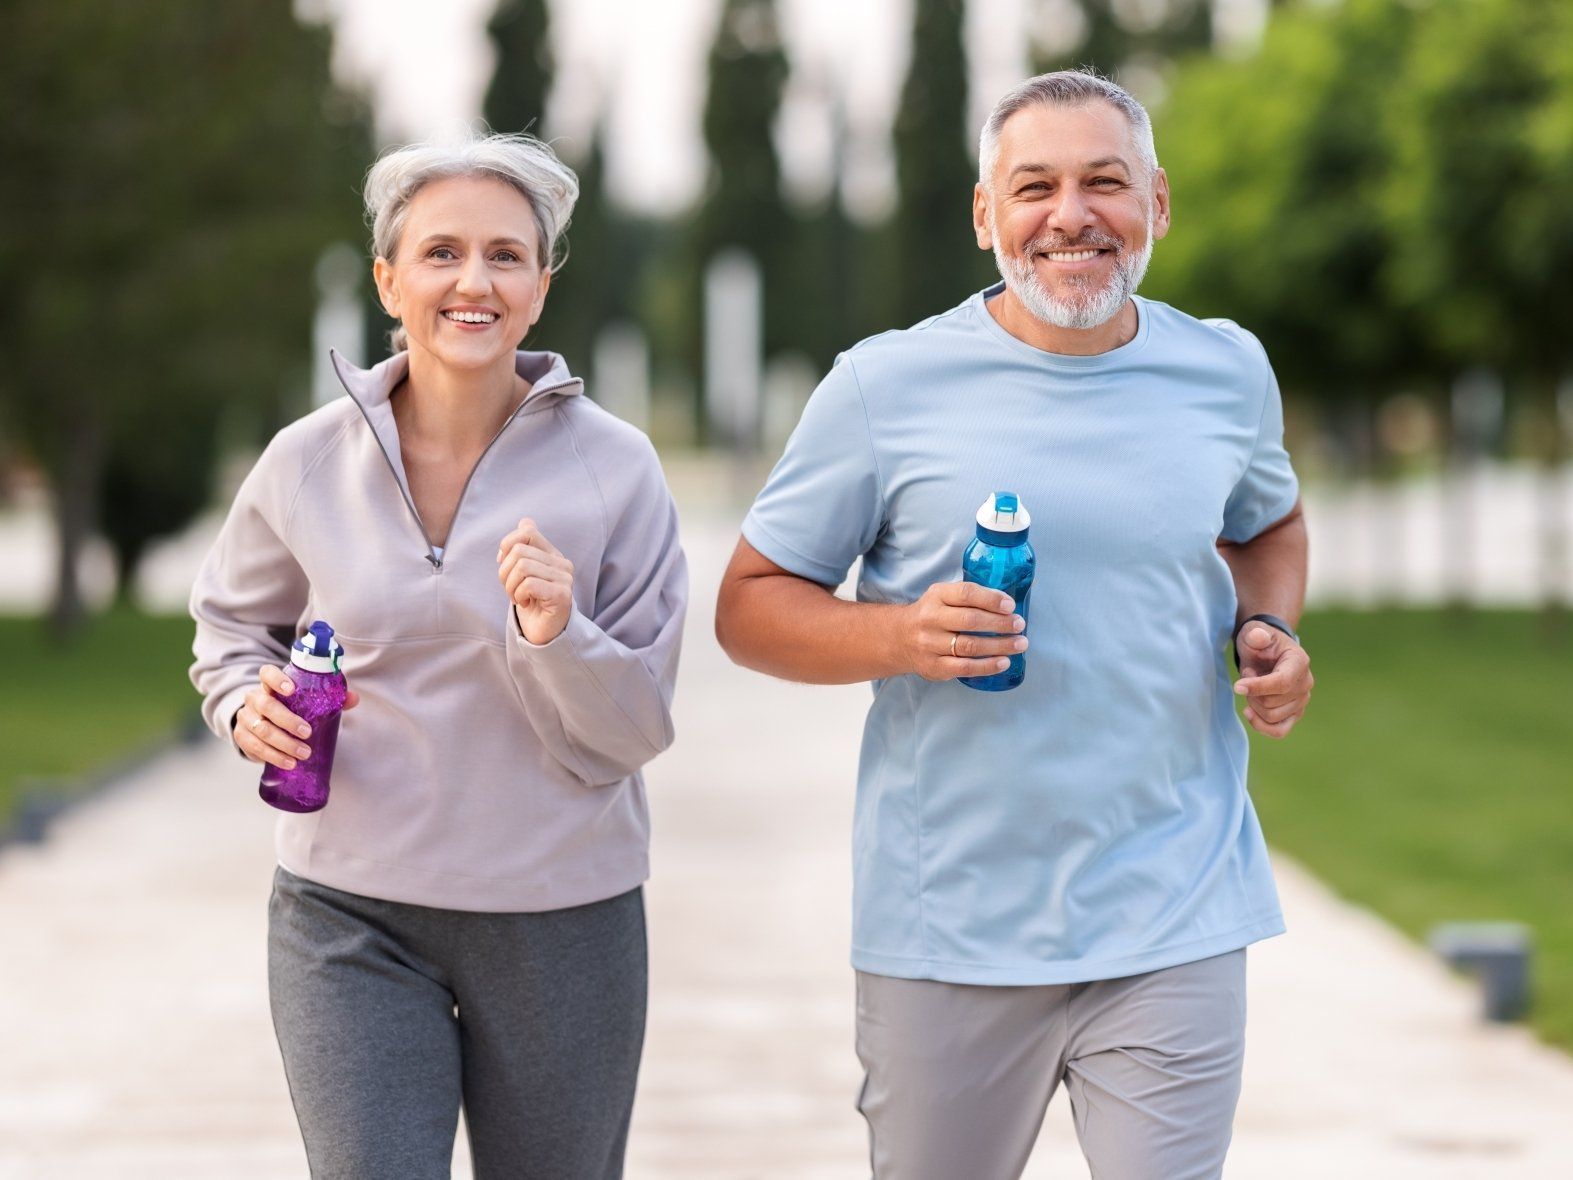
390, 1015
959, 1076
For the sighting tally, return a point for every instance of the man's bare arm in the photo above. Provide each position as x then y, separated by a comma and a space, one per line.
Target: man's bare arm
776, 622
1270, 569
1269, 579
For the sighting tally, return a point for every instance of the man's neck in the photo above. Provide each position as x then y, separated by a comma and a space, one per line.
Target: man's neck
1012, 315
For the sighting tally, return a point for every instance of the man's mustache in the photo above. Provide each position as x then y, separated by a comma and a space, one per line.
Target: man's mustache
1092, 239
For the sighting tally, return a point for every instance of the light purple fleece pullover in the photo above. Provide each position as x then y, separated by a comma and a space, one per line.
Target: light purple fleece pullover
479, 772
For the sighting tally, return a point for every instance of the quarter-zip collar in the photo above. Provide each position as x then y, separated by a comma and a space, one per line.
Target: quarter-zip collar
372, 392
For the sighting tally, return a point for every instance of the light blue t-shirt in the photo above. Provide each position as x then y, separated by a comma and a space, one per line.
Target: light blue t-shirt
1094, 822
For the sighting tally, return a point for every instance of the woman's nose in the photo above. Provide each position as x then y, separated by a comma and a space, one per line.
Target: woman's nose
474, 278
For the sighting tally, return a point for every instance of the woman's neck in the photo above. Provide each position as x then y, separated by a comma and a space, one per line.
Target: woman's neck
456, 412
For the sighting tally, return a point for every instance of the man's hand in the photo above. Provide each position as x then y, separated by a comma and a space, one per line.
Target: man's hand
539, 580
1275, 679
935, 640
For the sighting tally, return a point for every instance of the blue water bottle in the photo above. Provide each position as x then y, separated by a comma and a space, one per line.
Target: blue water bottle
1001, 559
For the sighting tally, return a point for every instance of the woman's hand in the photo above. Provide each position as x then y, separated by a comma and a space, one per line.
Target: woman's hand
539, 581
266, 731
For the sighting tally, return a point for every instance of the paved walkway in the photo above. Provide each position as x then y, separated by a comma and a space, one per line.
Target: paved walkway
135, 1040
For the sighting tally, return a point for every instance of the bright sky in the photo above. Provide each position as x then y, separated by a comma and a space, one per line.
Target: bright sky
644, 60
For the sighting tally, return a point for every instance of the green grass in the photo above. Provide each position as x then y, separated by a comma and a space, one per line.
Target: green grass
68, 710
1432, 778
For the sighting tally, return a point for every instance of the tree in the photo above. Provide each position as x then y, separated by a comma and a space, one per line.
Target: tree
934, 255
1478, 203
1277, 165
522, 75
165, 222
743, 206
1114, 36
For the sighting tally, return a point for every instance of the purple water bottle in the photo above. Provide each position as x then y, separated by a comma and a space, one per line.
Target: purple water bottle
318, 700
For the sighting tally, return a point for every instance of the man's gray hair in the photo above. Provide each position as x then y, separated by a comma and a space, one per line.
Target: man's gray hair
1065, 88
522, 161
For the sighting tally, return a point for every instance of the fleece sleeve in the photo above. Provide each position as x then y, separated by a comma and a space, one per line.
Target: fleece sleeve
599, 695
249, 594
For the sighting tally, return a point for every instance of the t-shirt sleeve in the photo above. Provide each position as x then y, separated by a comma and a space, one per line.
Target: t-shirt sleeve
1268, 489
823, 506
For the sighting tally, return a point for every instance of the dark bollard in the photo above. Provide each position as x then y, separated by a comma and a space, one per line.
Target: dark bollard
35, 811
1497, 954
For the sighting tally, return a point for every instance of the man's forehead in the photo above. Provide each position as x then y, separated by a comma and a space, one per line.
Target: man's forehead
1054, 138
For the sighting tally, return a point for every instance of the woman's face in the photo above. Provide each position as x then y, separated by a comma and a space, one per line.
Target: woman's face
468, 281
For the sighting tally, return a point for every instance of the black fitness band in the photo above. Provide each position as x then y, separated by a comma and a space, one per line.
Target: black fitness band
1271, 620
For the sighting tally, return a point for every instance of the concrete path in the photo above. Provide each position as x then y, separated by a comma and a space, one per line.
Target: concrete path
135, 1040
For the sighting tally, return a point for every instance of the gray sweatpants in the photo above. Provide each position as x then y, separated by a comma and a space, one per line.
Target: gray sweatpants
958, 1076
390, 1015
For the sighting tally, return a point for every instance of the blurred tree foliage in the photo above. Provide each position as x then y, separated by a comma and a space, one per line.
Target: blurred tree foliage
1383, 192
934, 260
1111, 36
172, 173
1277, 165
522, 74
595, 285
744, 205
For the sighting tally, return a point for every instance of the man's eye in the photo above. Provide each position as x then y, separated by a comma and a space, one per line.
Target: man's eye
1107, 181
1036, 186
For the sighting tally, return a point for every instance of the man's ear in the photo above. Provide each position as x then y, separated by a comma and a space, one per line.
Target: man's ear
1161, 218
980, 218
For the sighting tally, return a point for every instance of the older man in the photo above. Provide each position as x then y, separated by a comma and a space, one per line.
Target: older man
1055, 883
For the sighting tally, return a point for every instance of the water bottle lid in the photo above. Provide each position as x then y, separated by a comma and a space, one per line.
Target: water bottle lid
317, 650
1003, 512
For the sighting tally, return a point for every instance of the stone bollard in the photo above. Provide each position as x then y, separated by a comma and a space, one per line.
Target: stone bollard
1497, 954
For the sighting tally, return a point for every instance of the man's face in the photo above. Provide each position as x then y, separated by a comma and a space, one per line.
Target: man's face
1070, 212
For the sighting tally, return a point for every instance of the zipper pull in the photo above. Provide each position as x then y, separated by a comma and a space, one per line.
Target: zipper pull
436, 562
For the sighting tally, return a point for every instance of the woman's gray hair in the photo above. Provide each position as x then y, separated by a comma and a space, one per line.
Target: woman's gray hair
522, 161
1065, 88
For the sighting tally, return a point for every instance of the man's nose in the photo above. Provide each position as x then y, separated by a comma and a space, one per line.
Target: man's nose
1071, 212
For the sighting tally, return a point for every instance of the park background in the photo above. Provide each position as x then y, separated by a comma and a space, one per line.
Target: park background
1381, 190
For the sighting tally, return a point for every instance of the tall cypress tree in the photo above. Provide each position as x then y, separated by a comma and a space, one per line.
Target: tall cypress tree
934, 256
516, 97
743, 205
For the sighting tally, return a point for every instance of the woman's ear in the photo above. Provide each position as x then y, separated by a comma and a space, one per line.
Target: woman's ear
387, 289
540, 296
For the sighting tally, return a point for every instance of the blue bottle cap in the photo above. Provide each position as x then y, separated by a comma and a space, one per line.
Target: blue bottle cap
317, 650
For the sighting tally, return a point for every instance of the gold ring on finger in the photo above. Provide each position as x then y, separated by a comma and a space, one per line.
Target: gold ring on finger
953, 637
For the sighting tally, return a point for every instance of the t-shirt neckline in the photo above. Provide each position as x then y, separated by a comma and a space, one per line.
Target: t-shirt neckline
1061, 360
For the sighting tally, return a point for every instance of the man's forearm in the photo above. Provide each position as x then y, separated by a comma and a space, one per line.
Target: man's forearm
788, 627
1270, 571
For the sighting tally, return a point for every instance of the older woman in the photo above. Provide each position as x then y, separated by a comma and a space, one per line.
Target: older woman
463, 923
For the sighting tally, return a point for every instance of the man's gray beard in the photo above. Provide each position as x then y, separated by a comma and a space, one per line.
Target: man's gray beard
1090, 307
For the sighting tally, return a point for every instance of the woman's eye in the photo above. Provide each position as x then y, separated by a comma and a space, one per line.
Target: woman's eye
506, 256
442, 253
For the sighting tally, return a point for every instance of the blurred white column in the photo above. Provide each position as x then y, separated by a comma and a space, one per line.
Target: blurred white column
789, 379
620, 371
340, 321
734, 303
